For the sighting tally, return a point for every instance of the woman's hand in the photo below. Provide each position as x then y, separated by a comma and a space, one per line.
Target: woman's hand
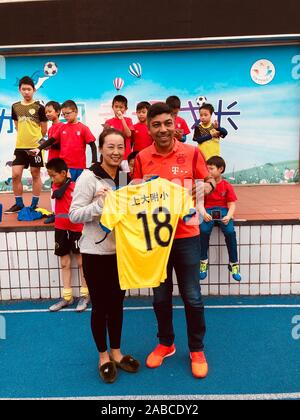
101, 194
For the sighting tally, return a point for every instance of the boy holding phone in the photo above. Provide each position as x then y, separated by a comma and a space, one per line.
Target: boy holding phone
218, 209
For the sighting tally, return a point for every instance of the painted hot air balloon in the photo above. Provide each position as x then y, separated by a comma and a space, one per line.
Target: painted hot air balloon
135, 69
118, 83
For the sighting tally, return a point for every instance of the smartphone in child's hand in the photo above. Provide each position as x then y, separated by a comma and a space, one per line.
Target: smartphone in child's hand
216, 214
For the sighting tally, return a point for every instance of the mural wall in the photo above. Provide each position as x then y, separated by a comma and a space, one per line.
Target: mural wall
255, 92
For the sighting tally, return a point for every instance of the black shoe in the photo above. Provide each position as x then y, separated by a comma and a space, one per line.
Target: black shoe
108, 372
50, 219
13, 209
127, 363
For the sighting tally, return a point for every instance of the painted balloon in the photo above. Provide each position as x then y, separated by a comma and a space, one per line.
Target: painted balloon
135, 69
118, 83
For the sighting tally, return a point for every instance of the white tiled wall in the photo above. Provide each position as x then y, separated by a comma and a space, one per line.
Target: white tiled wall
269, 264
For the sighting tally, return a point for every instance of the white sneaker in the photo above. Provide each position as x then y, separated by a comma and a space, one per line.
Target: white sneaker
82, 304
61, 304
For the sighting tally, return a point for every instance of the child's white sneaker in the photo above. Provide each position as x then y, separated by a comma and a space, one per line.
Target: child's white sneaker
82, 304
63, 303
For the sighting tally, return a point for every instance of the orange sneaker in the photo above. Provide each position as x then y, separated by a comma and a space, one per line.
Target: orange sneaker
199, 364
156, 358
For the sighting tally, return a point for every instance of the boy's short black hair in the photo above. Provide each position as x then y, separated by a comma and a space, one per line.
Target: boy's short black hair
120, 98
209, 108
173, 102
217, 161
57, 164
142, 105
56, 106
132, 155
70, 104
157, 109
26, 80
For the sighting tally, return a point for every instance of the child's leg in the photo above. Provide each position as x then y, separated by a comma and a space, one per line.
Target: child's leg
205, 232
230, 239
36, 185
65, 263
84, 291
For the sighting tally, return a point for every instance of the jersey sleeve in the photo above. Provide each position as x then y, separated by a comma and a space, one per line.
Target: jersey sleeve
137, 171
130, 124
231, 195
88, 135
13, 114
111, 214
200, 169
42, 115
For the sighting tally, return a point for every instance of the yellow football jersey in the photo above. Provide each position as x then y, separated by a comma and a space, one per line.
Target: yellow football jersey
145, 218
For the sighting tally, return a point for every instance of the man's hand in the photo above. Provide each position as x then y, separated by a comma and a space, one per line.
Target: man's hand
101, 194
33, 152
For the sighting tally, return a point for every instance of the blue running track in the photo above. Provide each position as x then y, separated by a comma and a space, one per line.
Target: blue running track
249, 348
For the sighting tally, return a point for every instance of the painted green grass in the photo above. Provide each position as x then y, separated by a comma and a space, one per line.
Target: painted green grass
270, 173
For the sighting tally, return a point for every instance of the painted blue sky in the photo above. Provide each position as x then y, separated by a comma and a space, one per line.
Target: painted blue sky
268, 124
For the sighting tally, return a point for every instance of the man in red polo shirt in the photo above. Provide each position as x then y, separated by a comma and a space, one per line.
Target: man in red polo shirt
177, 162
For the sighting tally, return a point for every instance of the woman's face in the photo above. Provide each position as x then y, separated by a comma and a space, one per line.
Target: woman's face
113, 150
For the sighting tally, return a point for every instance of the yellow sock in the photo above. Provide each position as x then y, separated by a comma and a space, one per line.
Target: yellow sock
67, 294
84, 291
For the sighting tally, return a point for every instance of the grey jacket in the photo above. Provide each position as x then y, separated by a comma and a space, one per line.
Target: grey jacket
86, 208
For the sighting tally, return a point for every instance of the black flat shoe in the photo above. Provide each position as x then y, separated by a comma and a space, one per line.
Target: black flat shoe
108, 372
128, 363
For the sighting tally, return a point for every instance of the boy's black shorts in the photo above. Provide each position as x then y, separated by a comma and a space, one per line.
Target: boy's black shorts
66, 242
24, 159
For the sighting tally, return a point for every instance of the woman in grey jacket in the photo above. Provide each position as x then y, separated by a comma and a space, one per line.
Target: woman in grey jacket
99, 253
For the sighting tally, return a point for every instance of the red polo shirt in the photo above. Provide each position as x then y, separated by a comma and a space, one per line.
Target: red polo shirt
141, 137
181, 124
221, 196
118, 125
184, 162
73, 139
